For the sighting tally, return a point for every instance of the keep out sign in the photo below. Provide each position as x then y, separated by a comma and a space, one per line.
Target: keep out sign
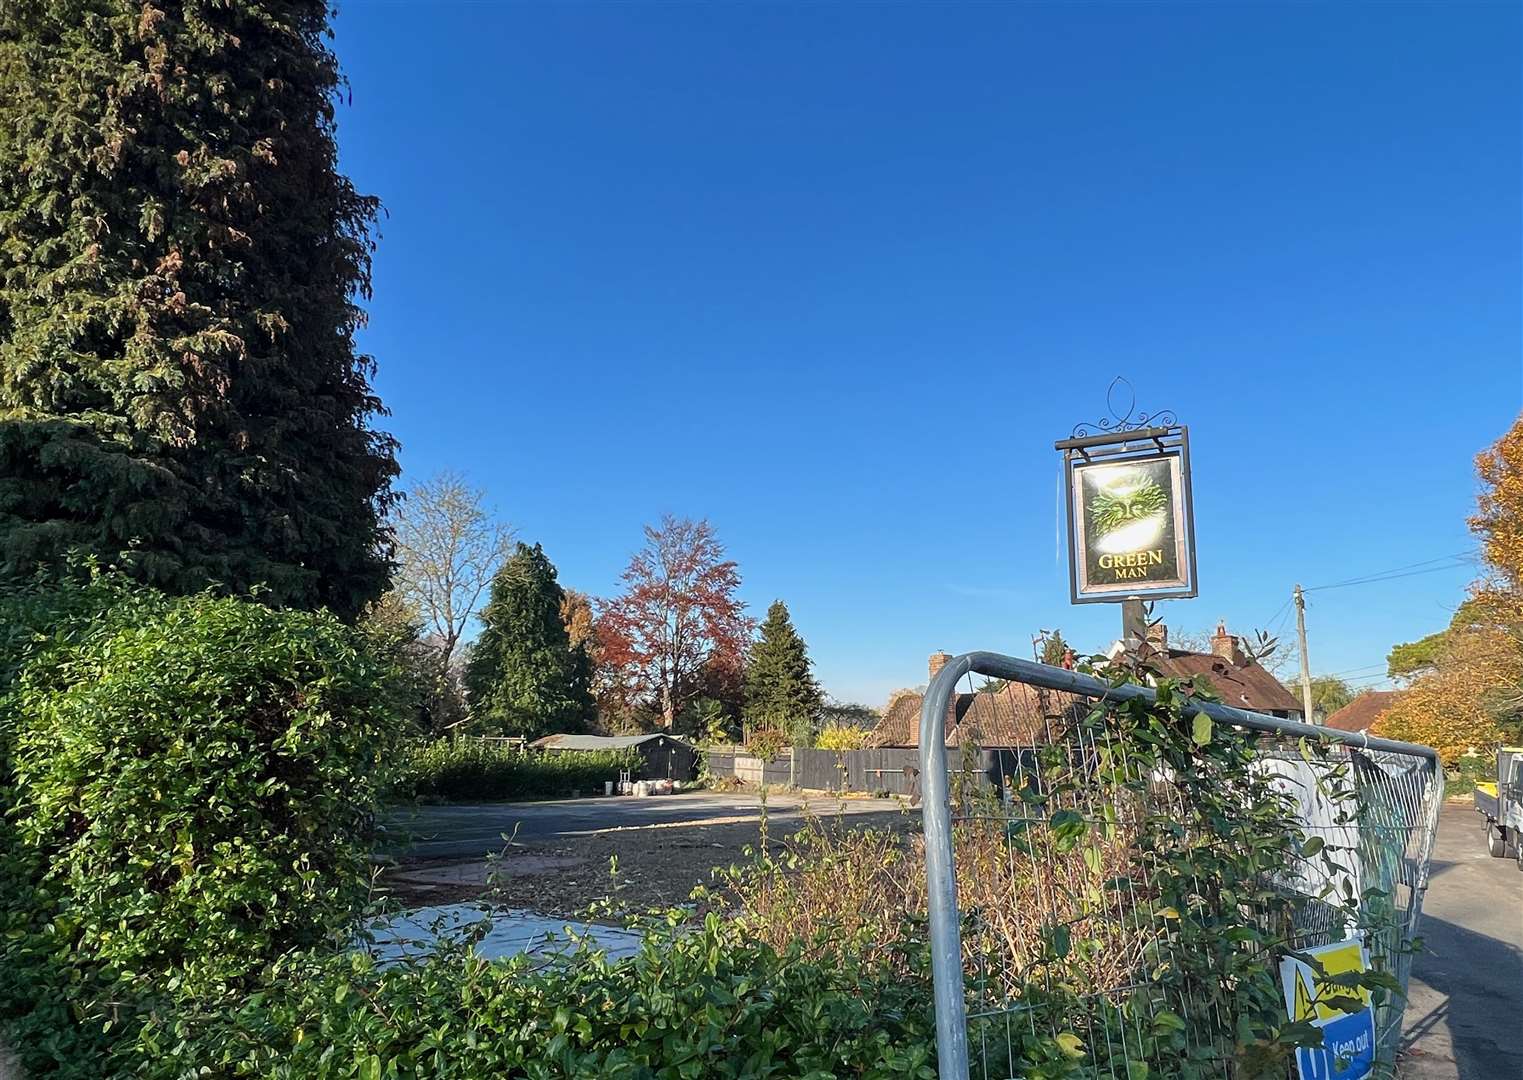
1348, 1038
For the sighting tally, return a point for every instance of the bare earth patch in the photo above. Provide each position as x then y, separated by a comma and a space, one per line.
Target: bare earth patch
657, 866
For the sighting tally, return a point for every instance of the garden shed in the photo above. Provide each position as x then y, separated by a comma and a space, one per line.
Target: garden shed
663, 757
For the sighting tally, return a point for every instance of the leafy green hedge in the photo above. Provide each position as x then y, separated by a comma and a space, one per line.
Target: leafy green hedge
188, 784
1462, 774
473, 770
701, 1004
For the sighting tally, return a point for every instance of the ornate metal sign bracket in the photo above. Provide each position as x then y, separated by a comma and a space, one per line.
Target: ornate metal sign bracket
1121, 400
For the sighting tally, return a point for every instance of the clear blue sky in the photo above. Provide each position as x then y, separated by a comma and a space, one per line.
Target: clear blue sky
835, 276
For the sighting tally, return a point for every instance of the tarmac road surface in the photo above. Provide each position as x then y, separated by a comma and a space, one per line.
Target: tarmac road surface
1464, 1018
473, 831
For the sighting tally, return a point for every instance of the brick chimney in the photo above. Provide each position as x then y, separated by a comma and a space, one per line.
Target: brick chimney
1226, 646
1158, 636
938, 661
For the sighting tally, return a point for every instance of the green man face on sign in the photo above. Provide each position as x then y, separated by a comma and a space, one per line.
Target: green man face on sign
1129, 524
1112, 509
1128, 513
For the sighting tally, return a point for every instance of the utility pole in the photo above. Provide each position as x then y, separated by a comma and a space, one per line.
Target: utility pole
1305, 667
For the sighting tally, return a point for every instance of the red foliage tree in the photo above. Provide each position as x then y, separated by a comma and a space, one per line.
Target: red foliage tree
678, 616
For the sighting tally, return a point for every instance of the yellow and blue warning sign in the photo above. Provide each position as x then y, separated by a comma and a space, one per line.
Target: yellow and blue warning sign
1348, 1038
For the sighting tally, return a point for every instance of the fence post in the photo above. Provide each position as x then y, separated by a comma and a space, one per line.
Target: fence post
941, 875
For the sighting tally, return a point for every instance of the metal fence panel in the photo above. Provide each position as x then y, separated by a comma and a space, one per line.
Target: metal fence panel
1374, 800
884, 770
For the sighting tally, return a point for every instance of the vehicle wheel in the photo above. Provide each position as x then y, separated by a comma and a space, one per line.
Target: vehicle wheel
1496, 842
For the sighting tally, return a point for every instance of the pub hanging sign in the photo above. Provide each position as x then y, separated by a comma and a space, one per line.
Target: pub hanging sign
1131, 526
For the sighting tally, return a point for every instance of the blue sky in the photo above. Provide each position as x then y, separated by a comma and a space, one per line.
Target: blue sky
835, 276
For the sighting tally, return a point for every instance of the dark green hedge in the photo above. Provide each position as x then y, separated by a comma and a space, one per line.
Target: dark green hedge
188, 787
705, 1003
474, 770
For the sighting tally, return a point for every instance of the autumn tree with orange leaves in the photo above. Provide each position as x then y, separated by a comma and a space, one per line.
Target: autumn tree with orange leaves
1499, 518
1472, 693
677, 619
577, 614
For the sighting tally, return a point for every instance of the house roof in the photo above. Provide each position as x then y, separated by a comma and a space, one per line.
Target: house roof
1243, 684
1015, 715
1361, 713
1019, 714
598, 742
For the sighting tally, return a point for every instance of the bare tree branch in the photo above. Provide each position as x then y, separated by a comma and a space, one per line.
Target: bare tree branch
449, 547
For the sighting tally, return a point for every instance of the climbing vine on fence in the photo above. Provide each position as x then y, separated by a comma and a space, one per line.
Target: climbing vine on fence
1126, 897
1160, 867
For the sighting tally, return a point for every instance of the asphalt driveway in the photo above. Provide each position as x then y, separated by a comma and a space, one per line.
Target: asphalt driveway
1464, 1017
477, 830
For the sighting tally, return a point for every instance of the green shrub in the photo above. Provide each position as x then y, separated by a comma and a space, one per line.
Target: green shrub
1465, 771
477, 770
38, 981
189, 785
767, 744
706, 1003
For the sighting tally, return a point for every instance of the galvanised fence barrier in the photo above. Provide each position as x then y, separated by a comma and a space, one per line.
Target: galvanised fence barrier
1135, 884
890, 770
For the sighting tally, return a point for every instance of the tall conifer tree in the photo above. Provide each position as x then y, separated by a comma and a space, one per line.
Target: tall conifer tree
180, 265
781, 691
524, 676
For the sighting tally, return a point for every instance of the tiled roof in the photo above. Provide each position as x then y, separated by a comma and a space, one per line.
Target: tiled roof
1016, 715
1361, 713
1023, 715
1243, 685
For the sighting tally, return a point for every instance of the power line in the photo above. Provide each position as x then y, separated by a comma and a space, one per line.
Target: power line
1353, 680
1367, 679
1390, 577
1277, 611
1353, 670
1280, 627
1413, 566
1450, 562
